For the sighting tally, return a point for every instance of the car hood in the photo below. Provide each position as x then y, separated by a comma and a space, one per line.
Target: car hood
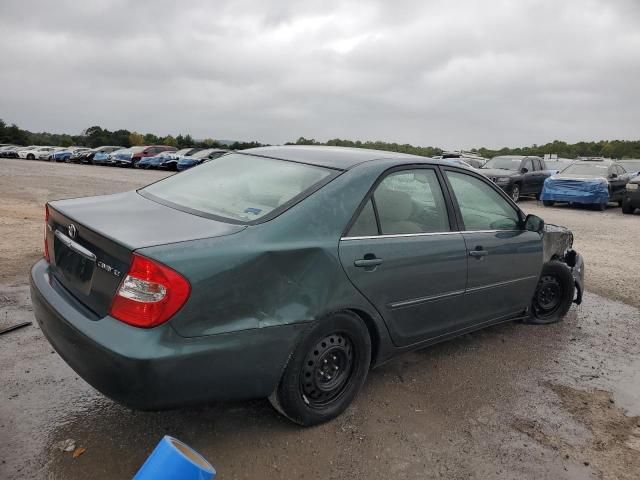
137, 222
497, 172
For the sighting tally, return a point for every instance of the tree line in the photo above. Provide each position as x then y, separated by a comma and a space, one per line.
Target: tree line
96, 136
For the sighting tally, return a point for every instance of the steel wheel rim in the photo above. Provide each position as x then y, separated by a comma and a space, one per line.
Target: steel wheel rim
327, 369
548, 297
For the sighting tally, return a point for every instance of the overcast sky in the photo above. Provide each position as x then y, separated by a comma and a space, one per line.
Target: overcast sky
442, 73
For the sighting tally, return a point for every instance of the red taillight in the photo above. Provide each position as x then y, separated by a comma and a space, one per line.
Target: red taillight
150, 294
46, 226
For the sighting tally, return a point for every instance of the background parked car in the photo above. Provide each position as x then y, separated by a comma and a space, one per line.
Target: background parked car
100, 155
517, 174
593, 182
199, 157
64, 155
27, 152
166, 160
631, 197
141, 152
9, 151
476, 161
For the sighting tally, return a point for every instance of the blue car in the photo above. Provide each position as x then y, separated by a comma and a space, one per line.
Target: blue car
199, 157
65, 155
590, 182
157, 161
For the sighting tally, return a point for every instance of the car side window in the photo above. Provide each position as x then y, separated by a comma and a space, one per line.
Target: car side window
528, 165
365, 225
411, 201
482, 208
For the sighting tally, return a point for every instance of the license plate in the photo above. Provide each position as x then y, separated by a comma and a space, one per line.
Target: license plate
632, 186
75, 263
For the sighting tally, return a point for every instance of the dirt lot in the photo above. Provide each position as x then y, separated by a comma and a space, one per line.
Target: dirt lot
513, 401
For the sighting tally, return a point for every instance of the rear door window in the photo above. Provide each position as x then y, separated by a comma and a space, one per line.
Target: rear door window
411, 201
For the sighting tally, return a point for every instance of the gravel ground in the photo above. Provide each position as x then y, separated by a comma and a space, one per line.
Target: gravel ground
513, 401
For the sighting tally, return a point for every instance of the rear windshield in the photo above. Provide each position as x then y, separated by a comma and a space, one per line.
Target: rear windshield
588, 169
239, 187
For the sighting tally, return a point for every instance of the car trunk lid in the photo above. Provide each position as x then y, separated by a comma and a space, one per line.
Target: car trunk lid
91, 240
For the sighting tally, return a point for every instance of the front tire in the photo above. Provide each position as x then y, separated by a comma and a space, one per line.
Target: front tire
326, 370
554, 294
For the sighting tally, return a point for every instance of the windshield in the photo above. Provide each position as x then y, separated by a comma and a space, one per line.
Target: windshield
504, 163
556, 165
587, 169
239, 187
630, 165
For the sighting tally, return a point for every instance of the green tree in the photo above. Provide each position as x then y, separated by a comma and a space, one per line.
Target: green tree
136, 139
169, 140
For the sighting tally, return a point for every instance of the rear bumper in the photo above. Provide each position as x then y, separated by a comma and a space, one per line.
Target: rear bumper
157, 368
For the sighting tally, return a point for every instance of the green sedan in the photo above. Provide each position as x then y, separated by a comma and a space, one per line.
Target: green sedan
288, 272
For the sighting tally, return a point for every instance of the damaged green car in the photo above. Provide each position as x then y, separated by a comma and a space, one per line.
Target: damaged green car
288, 272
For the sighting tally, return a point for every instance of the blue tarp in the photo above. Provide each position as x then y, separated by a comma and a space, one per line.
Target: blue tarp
576, 190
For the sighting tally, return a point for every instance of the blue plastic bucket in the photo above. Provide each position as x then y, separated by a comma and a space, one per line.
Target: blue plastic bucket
173, 459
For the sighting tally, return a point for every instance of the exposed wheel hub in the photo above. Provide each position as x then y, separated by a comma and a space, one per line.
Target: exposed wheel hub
327, 369
548, 296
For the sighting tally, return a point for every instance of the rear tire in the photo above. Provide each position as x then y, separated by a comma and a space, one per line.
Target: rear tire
554, 294
326, 370
548, 203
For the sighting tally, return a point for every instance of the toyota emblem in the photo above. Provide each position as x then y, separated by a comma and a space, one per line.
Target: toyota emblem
72, 230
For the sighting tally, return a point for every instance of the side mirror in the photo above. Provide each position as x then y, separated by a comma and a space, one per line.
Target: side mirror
533, 223
613, 175
524, 170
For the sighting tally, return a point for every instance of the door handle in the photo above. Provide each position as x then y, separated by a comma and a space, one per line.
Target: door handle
478, 253
368, 262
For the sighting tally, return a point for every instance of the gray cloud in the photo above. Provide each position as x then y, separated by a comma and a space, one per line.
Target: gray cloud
454, 74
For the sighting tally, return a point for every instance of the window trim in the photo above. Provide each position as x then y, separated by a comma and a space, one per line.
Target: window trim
451, 214
490, 184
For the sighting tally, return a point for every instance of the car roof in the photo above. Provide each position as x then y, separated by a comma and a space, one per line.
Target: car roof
342, 158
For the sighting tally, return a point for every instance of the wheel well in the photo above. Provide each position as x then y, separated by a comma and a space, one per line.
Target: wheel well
373, 331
